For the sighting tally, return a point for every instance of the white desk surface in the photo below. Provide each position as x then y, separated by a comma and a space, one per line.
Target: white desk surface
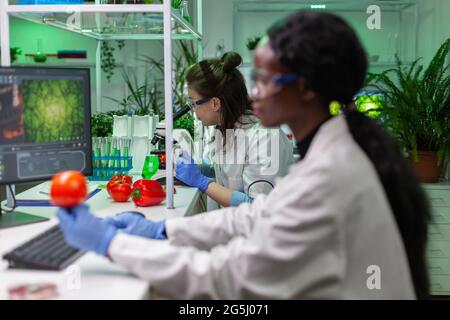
100, 278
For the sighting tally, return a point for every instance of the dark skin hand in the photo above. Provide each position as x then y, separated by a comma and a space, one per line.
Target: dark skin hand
294, 105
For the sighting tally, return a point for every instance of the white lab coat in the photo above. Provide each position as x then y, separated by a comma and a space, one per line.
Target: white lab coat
252, 158
325, 231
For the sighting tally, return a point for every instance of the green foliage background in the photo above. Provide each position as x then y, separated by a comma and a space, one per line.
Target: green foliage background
53, 110
102, 123
417, 103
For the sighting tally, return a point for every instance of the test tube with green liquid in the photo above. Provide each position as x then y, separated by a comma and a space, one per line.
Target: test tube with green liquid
125, 144
96, 142
115, 154
108, 152
102, 153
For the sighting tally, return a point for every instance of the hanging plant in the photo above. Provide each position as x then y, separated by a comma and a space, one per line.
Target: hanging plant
252, 42
120, 44
108, 59
14, 53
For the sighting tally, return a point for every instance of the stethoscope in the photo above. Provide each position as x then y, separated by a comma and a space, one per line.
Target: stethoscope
259, 181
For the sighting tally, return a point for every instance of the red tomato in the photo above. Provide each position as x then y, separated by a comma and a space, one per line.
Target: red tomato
121, 191
147, 193
116, 178
109, 185
68, 189
127, 179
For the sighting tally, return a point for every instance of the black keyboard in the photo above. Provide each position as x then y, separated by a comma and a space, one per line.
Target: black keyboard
47, 251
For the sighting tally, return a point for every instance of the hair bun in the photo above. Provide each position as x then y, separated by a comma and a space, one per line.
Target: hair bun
231, 60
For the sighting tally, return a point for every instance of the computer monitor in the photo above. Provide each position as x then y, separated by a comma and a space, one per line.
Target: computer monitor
44, 127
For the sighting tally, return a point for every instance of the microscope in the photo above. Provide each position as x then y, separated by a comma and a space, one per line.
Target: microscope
159, 138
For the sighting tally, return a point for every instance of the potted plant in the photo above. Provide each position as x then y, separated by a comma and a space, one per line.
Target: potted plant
416, 107
143, 98
102, 123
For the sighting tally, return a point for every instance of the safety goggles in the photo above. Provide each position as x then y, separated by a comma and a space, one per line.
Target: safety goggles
193, 105
264, 86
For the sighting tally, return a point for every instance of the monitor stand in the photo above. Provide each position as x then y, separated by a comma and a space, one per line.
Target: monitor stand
15, 218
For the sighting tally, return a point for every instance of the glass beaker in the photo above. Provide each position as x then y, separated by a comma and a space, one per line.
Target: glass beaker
151, 166
185, 11
40, 55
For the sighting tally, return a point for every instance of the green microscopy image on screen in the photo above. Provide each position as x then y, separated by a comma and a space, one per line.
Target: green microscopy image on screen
52, 110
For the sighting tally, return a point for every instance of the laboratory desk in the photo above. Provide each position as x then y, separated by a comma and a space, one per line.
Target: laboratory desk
91, 276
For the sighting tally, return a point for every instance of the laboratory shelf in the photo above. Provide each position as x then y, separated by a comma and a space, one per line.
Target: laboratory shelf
330, 5
108, 22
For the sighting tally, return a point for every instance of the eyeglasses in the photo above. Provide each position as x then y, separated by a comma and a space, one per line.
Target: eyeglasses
264, 86
195, 104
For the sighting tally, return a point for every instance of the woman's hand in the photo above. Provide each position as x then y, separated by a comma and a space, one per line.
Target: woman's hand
137, 225
189, 173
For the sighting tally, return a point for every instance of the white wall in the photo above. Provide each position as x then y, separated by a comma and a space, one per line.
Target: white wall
434, 26
217, 25
396, 36
222, 23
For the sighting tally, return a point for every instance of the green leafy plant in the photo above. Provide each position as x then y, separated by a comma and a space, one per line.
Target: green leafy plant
181, 64
143, 98
102, 123
176, 4
185, 122
14, 52
417, 103
147, 97
252, 42
108, 59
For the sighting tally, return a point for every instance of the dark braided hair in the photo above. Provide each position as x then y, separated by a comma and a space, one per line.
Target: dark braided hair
221, 78
325, 51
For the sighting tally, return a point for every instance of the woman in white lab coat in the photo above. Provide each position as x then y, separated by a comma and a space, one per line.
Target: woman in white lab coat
242, 158
348, 222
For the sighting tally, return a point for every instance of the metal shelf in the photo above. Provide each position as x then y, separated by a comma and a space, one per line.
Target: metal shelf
329, 5
108, 22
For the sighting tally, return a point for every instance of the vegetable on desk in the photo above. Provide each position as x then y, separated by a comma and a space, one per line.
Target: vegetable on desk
118, 178
147, 193
120, 191
68, 189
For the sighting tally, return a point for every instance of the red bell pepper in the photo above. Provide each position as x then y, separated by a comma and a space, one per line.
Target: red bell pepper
147, 193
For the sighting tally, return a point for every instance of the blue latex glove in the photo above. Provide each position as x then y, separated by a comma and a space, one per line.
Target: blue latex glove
137, 225
85, 231
188, 172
